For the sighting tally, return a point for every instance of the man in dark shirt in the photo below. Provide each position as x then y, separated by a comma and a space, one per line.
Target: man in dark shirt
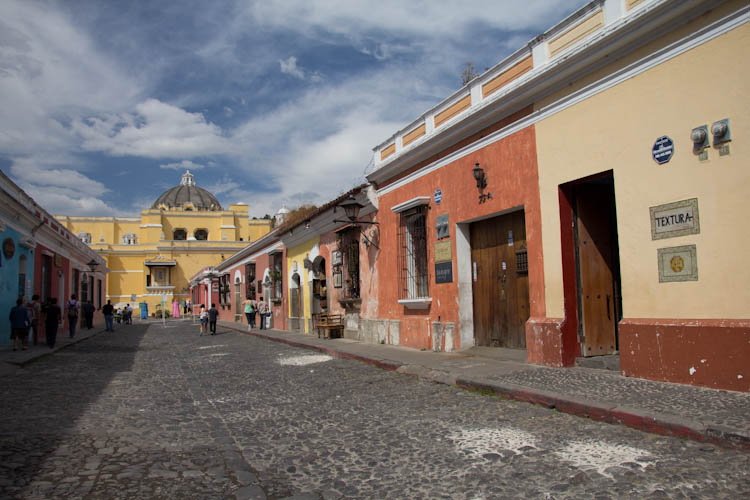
109, 315
88, 314
213, 315
52, 319
19, 325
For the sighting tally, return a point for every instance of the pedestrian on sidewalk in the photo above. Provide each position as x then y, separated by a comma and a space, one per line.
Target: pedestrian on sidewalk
203, 316
72, 309
128, 314
109, 316
88, 314
213, 315
35, 314
262, 309
52, 320
19, 325
250, 312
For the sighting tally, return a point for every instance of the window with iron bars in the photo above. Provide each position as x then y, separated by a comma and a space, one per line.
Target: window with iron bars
412, 247
349, 247
250, 281
277, 277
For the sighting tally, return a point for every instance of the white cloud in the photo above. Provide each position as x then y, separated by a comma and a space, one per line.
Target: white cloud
61, 190
154, 130
289, 67
182, 165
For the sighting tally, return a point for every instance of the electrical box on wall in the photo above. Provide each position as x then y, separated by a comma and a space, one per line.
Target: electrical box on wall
441, 224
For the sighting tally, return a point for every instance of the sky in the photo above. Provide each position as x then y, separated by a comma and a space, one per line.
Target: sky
104, 104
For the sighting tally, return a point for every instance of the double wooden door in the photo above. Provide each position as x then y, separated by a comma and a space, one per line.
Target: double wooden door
500, 276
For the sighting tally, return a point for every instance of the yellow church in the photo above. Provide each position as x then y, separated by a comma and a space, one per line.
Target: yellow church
154, 255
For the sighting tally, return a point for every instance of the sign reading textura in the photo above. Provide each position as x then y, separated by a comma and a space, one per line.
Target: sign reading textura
675, 219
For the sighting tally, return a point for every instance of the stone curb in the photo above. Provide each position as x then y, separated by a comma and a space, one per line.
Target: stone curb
636, 418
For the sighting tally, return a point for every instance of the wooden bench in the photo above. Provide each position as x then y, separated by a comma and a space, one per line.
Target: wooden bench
328, 322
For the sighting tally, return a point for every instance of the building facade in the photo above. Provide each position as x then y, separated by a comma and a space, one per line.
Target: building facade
562, 201
41, 257
152, 258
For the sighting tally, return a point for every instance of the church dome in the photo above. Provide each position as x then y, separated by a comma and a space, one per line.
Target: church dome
187, 196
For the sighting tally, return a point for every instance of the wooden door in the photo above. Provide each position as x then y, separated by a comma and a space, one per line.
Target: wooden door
500, 281
597, 268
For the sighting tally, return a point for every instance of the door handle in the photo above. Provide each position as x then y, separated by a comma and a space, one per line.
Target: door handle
609, 317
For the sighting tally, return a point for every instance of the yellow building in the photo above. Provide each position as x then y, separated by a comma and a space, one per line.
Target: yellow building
154, 255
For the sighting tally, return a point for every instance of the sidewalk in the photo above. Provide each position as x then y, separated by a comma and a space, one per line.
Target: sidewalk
716, 416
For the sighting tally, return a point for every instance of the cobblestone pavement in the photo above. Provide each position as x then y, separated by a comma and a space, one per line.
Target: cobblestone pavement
153, 412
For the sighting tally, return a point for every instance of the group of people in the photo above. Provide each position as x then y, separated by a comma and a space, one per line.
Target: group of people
252, 308
208, 319
25, 319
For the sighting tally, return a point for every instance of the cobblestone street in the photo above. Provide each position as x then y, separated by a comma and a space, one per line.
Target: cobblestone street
155, 412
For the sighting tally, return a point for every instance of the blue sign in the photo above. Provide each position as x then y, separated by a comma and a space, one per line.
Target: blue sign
438, 196
663, 150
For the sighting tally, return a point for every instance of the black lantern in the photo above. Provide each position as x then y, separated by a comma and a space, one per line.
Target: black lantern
92, 265
479, 176
351, 208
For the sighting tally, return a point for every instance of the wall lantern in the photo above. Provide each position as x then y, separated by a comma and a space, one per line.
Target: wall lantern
92, 265
351, 210
479, 176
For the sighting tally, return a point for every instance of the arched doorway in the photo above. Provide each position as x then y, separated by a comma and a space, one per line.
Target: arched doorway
295, 301
319, 286
238, 299
22, 276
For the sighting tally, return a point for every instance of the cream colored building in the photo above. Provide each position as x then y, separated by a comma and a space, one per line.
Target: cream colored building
154, 255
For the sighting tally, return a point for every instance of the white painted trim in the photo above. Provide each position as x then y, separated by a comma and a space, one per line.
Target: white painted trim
716, 29
414, 202
267, 250
465, 287
422, 303
143, 226
228, 227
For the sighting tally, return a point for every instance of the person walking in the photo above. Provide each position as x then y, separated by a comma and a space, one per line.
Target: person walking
19, 325
109, 316
262, 308
52, 320
72, 309
127, 314
88, 314
213, 315
203, 316
35, 314
250, 312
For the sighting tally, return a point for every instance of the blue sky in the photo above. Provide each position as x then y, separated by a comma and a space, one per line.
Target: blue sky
103, 105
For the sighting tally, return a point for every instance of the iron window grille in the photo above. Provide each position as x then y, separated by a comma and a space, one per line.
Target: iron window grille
412, 247
522, 260
277, 277
250, 281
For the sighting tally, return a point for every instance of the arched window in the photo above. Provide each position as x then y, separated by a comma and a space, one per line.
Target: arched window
129, 239
85, 237
201, 234
179, 234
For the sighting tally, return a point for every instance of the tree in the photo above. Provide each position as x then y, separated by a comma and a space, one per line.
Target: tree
468, 74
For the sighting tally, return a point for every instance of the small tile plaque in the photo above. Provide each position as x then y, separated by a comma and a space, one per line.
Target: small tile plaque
443, 251
675, 219
678, 264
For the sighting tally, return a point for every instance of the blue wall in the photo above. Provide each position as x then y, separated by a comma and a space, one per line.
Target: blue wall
9, 285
